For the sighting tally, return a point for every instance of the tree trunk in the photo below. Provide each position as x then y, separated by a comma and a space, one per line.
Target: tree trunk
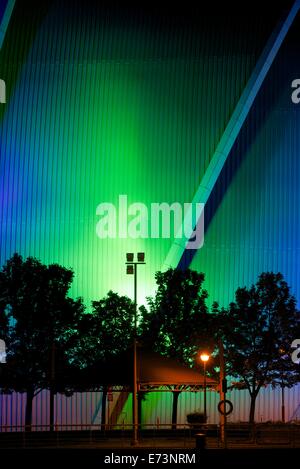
174, 409
252, 409
51, 408
28, 412
103, 408
52, 386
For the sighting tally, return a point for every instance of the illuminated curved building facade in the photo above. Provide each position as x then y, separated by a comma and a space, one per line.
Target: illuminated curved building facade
102, 102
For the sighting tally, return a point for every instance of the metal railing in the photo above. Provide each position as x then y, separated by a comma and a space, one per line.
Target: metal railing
150, 435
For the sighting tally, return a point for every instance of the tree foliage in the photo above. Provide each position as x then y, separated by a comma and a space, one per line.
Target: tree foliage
37, 318
258, 329
178, 323
35, 315
106, 331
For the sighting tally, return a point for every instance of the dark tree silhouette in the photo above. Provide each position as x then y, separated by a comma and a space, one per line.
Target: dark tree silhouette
104, 334
258, 329
178, 323
39, 319
106, 331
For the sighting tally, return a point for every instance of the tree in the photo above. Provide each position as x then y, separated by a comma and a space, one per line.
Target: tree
178, 323
39, 319
257, 328
105, 333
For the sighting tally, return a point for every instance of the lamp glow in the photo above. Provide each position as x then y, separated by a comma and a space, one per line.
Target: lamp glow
204, 357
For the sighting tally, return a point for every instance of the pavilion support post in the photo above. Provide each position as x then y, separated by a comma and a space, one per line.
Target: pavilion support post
174, 409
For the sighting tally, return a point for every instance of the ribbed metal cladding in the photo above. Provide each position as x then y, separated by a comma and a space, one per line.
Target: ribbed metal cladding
105, 102
83, 410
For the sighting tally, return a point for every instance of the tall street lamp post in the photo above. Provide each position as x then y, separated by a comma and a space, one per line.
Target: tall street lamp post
204, 358
132, 270
283, 354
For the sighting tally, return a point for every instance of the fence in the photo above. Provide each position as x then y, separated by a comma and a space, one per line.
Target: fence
151, 436
83, 409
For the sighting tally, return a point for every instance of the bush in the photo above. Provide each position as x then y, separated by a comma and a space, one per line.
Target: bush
196, 417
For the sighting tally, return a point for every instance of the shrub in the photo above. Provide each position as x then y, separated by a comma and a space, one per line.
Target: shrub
196, 417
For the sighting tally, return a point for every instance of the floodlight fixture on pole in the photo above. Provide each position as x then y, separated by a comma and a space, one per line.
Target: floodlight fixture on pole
131, 269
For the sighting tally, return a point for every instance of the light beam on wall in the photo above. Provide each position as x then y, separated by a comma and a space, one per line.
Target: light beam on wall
6, 19
233, 128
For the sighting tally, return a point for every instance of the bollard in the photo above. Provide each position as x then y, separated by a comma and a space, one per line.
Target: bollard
200, 441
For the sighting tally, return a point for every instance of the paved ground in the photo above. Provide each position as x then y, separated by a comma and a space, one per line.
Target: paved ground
73, 441
179, 443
